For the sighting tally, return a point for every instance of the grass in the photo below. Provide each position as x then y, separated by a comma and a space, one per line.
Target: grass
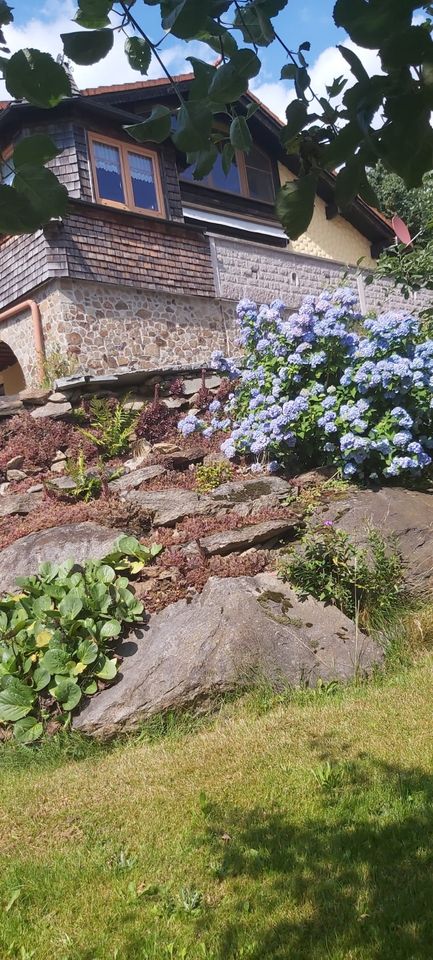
277, 830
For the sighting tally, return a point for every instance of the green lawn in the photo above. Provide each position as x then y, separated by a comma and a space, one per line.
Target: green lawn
304, 830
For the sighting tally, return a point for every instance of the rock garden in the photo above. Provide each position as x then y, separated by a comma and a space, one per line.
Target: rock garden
260, 523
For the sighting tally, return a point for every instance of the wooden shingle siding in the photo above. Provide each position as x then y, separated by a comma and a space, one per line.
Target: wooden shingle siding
23, 265
136, 252
102, 245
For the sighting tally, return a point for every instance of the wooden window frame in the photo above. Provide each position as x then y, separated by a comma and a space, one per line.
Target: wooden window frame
243, 179
124, 149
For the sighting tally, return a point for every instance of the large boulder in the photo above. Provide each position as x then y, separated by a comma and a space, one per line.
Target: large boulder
74, 541
406, 515
170, 505
237, 632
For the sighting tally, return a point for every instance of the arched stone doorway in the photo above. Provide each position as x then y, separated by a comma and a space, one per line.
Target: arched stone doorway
12, 379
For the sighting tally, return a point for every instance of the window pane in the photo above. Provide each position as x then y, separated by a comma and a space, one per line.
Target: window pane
108, 172
143, 181
7, 172
222, 182
260, 185
256, 158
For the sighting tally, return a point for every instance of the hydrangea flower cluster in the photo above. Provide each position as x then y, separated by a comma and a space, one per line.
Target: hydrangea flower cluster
311, 386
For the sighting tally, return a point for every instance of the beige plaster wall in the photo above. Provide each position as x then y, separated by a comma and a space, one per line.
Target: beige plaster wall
330, 239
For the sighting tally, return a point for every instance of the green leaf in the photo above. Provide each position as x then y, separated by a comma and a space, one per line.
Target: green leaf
227, 157
337, 86
34, 150
36, 77
231, 79
194, 125
87, 46
295, 204
91, 688
105, 573
354, 62
240, 136
348, 182
214, 35
41, 678
15, 214
68, 693
204, 161
87, 651
6, 15
184, 17
412, 46
254, 24
127, 545
368, 23
111, 628
16, 701
71, 605
107, 670
93, 14
138, 53
342, 146
27, 730
296, 115
289, 71
56, 661
156, 128
46, 196
252, 109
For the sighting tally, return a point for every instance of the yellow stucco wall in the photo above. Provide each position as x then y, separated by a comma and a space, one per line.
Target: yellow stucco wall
12, 379
332, 239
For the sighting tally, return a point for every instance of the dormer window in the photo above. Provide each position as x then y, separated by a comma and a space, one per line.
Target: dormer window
250, 175
126, 176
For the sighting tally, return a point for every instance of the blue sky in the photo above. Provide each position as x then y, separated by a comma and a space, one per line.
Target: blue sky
38, 23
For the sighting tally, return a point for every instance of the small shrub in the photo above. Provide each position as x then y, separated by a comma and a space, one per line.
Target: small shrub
57, 635
56, 364
111, 426
365, 585
88, 486
39, 442
155, 423
211, 475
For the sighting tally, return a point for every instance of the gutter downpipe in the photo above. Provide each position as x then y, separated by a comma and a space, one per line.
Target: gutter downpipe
38, 335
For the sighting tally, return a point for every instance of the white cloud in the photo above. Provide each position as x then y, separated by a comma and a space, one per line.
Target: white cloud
43, 33
328, 65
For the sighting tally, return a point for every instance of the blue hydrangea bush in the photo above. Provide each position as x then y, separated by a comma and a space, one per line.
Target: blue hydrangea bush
327, 386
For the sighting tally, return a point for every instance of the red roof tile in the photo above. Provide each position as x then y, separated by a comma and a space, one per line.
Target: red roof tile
135, 85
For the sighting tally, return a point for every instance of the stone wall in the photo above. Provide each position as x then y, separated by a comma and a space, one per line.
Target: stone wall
246, 269
106, 326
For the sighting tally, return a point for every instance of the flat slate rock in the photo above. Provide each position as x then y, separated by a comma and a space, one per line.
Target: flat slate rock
170, 505
73, 541
236, 633
237, 491
393, 511
52, 410
21, 503
242, 539
130, 481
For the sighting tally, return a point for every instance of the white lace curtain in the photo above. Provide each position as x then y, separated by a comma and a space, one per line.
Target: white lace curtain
141, 168
107, 158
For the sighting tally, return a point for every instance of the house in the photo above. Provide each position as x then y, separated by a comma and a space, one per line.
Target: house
147, 267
